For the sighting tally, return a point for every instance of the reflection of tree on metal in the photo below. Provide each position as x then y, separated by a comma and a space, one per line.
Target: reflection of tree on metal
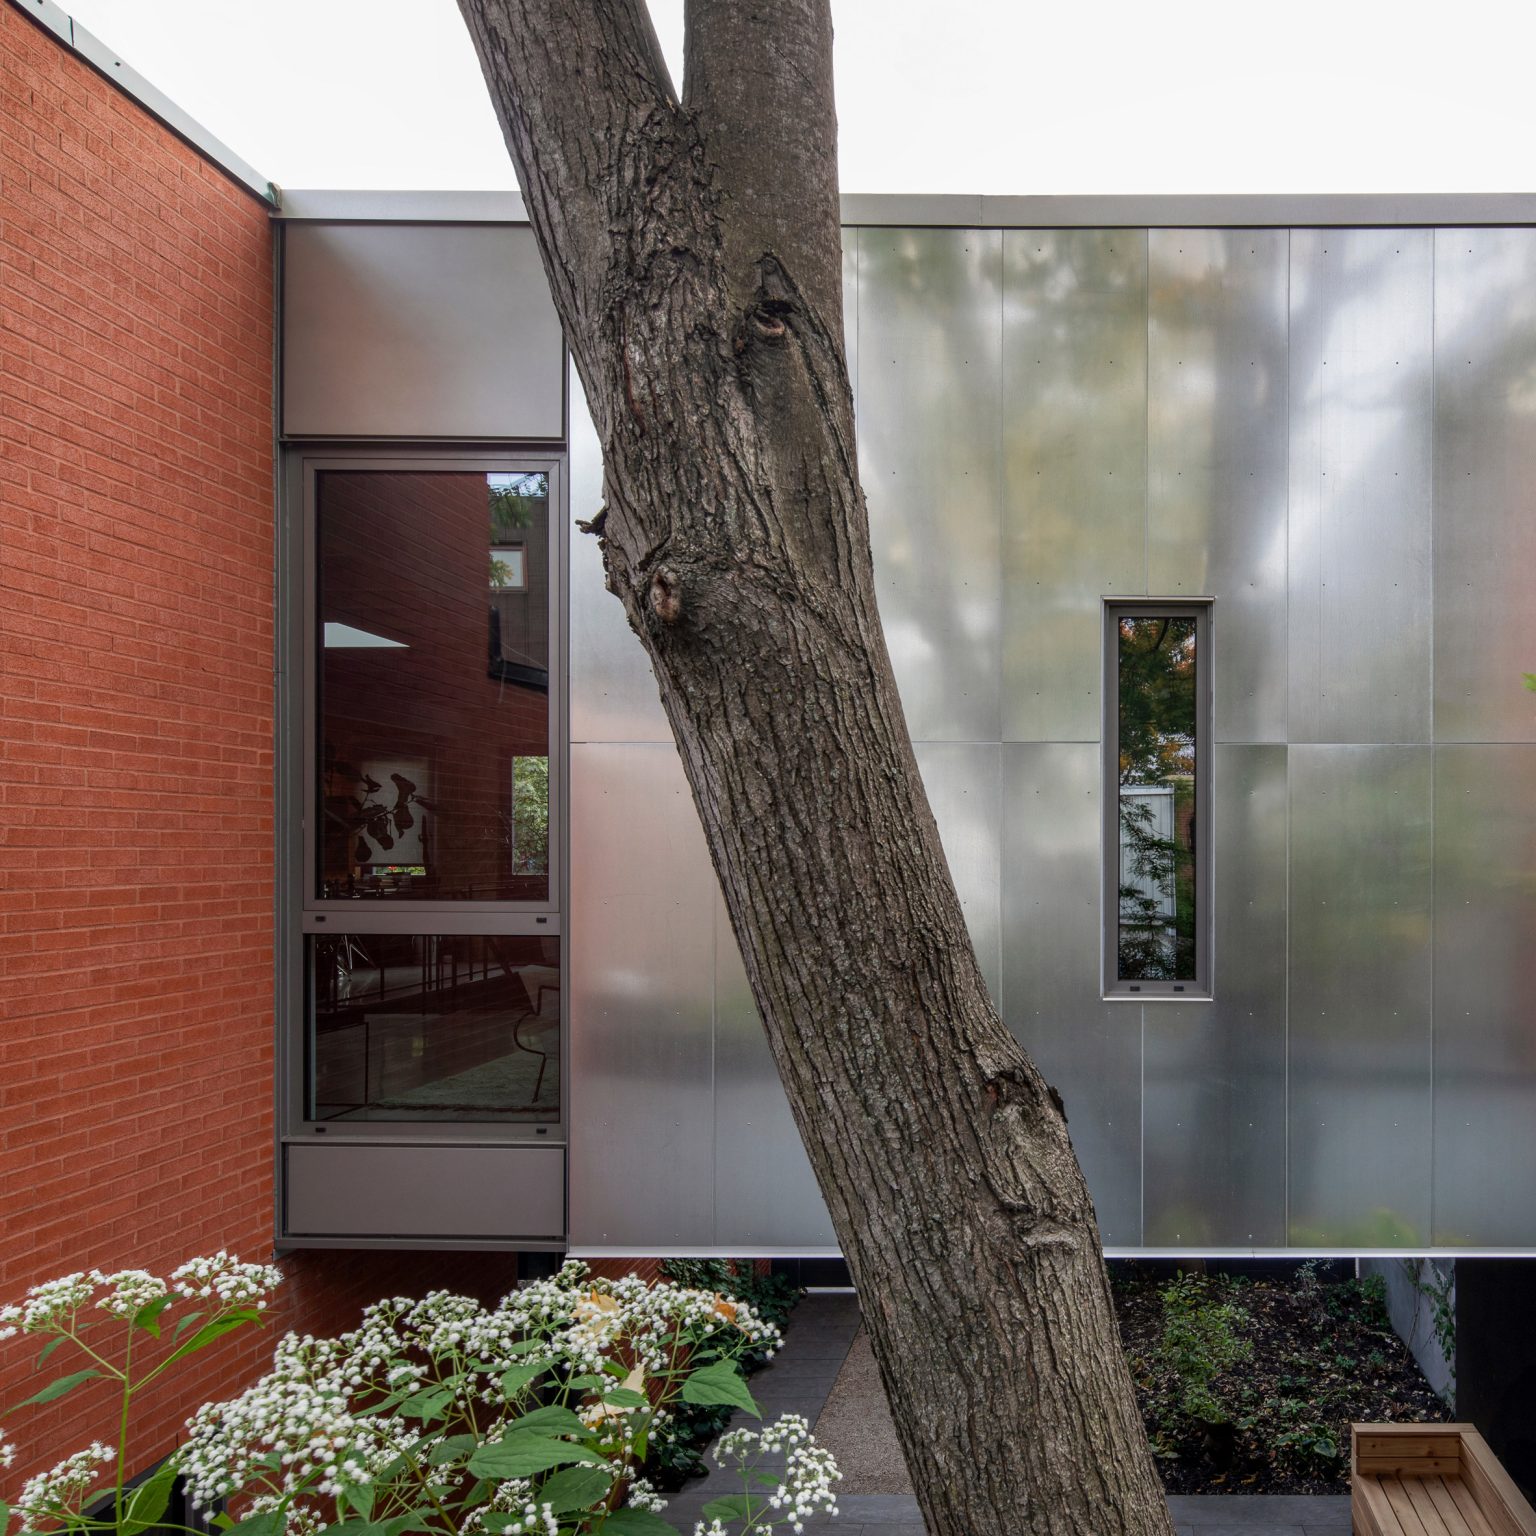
1157, 766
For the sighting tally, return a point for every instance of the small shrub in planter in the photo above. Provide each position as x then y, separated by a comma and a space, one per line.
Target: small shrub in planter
436, 1415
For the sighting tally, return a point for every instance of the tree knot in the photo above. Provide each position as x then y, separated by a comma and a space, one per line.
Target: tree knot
666, 595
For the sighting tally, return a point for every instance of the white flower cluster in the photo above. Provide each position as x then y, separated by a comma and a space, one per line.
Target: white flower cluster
59, 1492
7, 1451
532, 1518
224, 1278
48, 1306
301, 1414
805, 1486
51, 1306
642, 1495
426, 1381
586, 1318
131, 1290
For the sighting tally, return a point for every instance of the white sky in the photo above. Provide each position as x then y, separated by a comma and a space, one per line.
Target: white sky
989, 96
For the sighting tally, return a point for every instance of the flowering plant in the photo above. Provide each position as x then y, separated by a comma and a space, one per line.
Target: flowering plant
446, 1417
223, 1293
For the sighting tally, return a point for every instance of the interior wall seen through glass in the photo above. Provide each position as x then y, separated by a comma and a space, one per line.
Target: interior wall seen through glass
433, 1027
1157, 745
433, 728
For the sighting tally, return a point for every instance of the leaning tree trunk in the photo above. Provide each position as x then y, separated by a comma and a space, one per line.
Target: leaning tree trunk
694, 253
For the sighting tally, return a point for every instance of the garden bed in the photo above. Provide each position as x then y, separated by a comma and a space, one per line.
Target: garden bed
1305, 1356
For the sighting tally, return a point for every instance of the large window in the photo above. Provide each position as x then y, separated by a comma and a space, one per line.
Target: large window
428, 963
1157, 916
433, 708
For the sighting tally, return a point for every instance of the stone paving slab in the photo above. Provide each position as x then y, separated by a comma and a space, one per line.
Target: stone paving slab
800, 1379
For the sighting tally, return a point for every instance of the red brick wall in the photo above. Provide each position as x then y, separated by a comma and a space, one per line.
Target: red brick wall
136, 630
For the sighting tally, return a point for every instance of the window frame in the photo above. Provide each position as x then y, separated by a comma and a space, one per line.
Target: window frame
302, 912
408, 463
1199, 988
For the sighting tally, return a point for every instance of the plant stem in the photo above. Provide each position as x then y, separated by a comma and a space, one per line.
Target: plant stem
122, 1431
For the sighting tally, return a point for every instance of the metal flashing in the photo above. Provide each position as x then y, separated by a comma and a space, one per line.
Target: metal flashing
351, 206
46, 14
1194, 211
131, 83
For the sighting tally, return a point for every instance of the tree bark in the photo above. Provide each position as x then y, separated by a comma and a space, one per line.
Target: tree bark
694, 251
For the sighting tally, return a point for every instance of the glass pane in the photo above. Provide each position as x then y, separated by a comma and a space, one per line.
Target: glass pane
434, 685
433, 1027
1157, 799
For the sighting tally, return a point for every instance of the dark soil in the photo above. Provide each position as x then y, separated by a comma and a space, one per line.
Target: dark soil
1323, 1356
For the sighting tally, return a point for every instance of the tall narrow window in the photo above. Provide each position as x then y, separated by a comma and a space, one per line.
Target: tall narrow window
431, 950
1157, 915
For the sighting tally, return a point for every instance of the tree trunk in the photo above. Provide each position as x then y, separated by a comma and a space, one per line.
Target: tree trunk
694, 252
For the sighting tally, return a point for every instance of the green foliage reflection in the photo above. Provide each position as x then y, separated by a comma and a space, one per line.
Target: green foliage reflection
1157, 798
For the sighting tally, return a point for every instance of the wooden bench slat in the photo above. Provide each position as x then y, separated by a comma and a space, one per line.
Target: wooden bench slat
1421, 1496
1407, 1516
1456, 1519
1466, 1502
1494, 1489
1409, 1466
1369, 1511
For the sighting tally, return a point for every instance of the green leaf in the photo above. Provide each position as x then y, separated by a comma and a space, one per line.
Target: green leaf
183, 1323
148, 1316
520, 1455
1530, 681
515, 1378
222, 1521
626, 1397
575, 1488
721, 1385
360, 1497
427, 1405
268, 1523
417, 1520
47, 1350
587, 1383
451, 1448
733, 1506
57, 1388
215, 1330
147, 1502
637, 1522
548, 1421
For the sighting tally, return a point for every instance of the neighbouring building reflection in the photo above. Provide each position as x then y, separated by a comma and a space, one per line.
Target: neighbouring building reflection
1157, 798
434, 624
434, 1027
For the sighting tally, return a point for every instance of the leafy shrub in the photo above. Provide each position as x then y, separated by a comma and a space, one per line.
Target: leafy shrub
1200, 1341
438, 1416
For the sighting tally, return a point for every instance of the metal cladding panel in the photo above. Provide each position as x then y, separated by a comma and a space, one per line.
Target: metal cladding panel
1089, 1049
1361, 409
1074, 466
1216, 454
485, 1193
1359, 986
851, 307
930, 398
1214, 1142
641, 1003
964, 784
613, 693
419, 330
1485, 483
765, 1193
1485, 1047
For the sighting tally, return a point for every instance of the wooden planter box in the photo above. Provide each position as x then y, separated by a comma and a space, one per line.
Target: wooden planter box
1431, 1480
